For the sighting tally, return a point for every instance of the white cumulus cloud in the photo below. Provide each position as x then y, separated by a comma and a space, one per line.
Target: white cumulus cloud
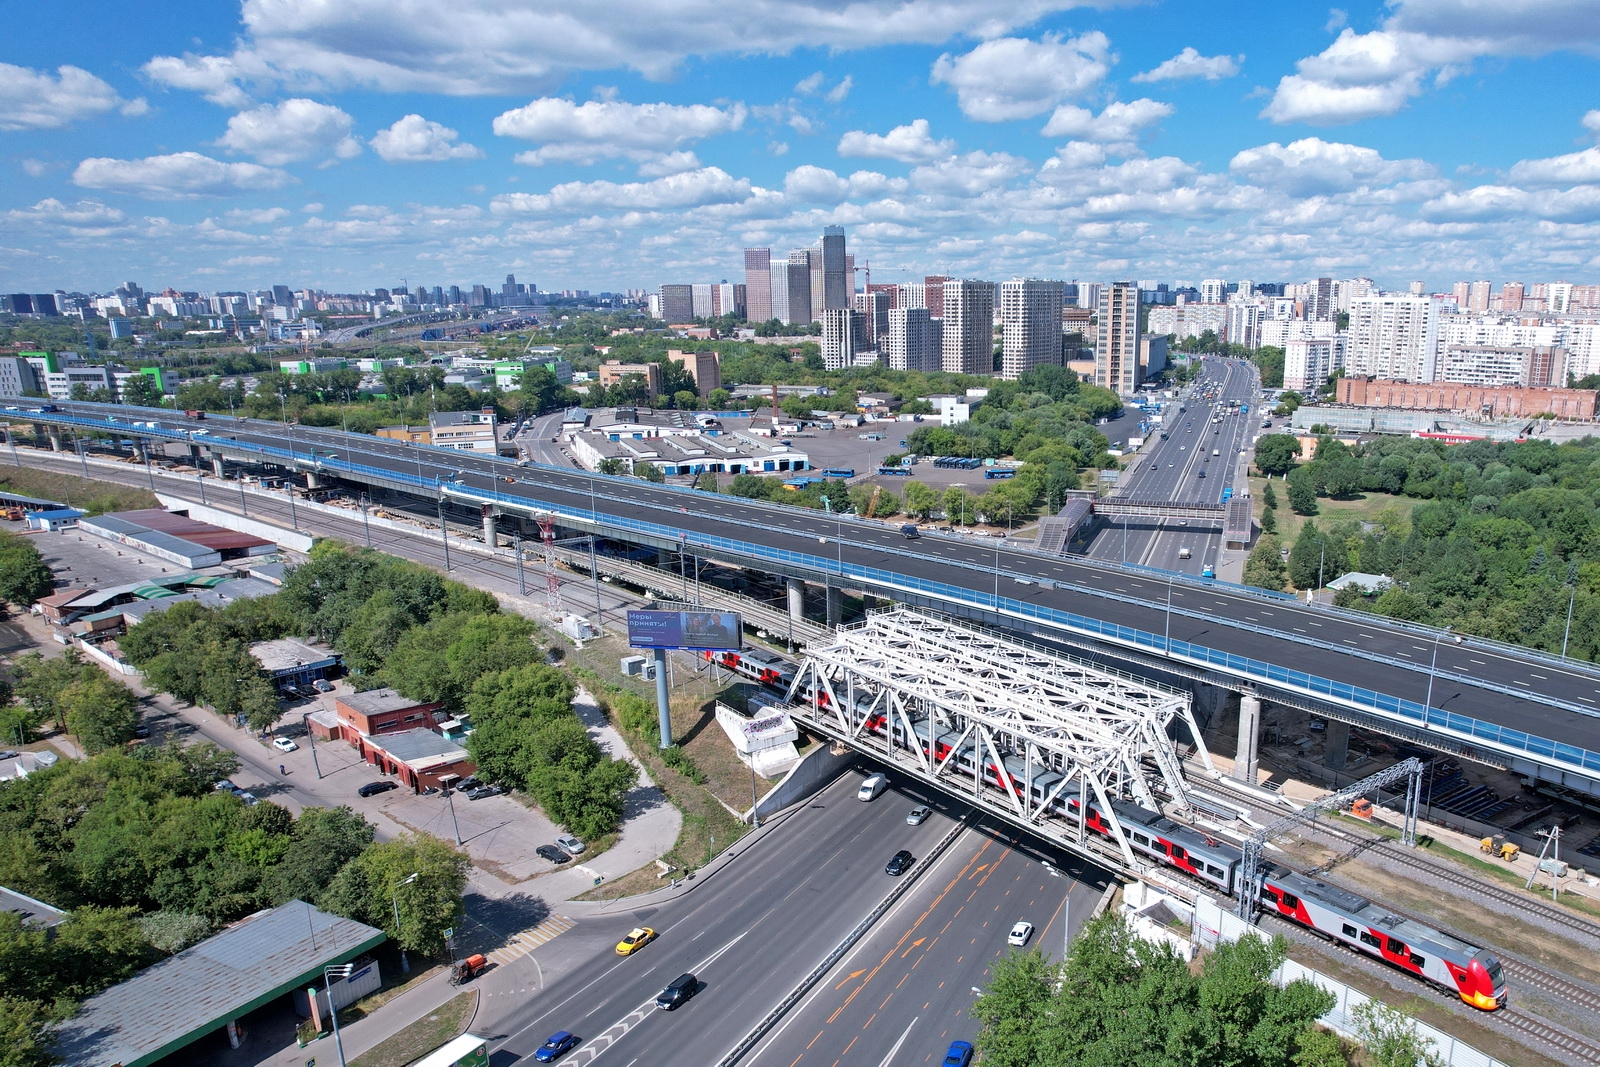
37, 100
1575, 168
414, 139
969, 175
292, 131
600, 129
1118, 124
696, 188
911, 143
179, 176
1314, 167
255, 216
1191, 64
1016, 78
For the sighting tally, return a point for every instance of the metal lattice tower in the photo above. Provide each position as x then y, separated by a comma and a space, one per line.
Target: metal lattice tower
1085, 730
552, 581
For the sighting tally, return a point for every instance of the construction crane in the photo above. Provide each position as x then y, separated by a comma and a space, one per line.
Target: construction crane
872, 505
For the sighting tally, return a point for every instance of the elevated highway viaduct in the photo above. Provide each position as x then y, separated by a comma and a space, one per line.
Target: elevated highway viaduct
1534, 713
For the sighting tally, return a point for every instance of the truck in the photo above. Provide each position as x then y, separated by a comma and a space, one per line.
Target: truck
192, 413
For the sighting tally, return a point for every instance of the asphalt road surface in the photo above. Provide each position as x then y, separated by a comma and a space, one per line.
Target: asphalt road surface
1171, 473
1364, 650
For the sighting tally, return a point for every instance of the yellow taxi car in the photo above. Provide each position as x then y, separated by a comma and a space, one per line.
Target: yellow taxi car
637, 938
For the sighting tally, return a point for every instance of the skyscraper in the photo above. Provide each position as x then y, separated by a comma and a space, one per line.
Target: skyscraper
1212, 290
933, 294
1319, 306
1116, 353
913, 341
1511, 296
1030, 325
758, 283
700, 296
1478, 296
874, 306
677, 303
836, 283
968, 327
841, 328
791, 289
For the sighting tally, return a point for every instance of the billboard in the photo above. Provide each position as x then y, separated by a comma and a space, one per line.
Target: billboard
697, 630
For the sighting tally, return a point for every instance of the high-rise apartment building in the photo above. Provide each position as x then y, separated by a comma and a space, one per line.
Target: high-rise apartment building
1307, 362
701, 299
677, 303
1244, 323
1212, 290
758, 284
1393, 337
915, 295
837, 285
1116, 353
1418, 288
913, 342
1030, 325
968, 326
874, 307
840, 332
1511, 296
797, 280
1319, 300
1478, 296
933, 294
1461, 291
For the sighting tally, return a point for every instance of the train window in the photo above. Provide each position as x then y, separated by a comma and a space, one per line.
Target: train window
1368, 938
1213, 870
1178, 853
1140, 839
1419, 960
1290, 901
1396, 946
1349, 931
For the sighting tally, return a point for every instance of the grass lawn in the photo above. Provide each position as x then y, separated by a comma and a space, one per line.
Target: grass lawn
448, 1021
1369, 507
85, 494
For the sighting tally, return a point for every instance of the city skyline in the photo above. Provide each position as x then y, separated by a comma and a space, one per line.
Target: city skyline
347, 148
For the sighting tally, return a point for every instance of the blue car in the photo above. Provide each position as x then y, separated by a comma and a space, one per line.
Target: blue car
960, 1054
559, 1045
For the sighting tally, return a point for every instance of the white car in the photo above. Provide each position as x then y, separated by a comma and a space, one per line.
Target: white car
283, 744
570, 845
1018, 937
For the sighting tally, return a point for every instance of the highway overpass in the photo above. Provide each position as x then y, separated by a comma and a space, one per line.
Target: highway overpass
1532, 712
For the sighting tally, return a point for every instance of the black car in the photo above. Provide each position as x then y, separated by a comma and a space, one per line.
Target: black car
899, 863
372, 789
682, 988
471, 781
553, 854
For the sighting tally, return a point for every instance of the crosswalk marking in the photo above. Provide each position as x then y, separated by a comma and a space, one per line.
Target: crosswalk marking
525, 941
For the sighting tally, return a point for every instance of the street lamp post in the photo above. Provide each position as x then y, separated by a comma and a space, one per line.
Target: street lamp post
366, 525
444, 532
1572, 599
82, 460
394, 898
343, 970
1169, 616
1433, 666
200, 480
516, 548
311, 739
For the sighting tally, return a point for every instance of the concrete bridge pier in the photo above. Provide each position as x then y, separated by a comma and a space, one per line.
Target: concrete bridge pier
1336, 745
312, 481
141, 451
216, 466
835, 606
491, 535
797, 600
55, 439
1246, 756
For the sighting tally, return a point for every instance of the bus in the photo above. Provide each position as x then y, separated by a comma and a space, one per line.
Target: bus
1000, 472
838, 472
896, 472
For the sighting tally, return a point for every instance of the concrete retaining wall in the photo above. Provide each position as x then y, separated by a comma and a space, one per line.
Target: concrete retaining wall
819, 767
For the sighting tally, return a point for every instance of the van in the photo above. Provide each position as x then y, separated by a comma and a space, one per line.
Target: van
1216, 451
910, 531
1183, 553
679, 990
873, 787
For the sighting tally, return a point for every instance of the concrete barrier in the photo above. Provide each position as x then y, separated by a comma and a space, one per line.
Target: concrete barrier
814, 771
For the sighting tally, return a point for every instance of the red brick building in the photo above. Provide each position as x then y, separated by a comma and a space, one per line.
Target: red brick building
1496, 400
396, 734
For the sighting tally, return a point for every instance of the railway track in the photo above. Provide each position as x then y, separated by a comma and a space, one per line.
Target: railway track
1580, 1050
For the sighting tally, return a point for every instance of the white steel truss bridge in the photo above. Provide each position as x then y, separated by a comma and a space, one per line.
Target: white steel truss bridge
1028, 735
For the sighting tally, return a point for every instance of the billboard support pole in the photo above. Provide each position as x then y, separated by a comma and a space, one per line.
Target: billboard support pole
663, 708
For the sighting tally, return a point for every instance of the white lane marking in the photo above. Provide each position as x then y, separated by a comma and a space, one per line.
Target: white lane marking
1539, 676
897, 1044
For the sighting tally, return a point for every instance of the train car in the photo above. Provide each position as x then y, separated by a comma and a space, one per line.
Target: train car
758, 666
1472, 973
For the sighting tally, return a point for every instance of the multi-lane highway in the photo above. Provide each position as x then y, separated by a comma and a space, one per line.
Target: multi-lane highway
1495, 685
1197, 458
755, 928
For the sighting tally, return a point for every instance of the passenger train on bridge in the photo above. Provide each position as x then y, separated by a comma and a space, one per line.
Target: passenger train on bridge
1470, 972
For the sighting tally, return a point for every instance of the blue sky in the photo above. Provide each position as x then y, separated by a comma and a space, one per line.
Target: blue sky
627, 143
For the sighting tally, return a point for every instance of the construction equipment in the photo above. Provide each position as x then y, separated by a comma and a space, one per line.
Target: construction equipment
872, 505
1362, 808
1499, 846
468, 969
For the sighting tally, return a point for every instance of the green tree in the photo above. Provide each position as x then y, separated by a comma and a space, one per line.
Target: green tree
1390, 1038
1302, 492
428, 905
1264, 568
100, 712
26, 1039
143, 391
650, 472
1315, 558
173, 931
1269, 497
1276, 453
919, 500
1269, 521
957, 508
24, 575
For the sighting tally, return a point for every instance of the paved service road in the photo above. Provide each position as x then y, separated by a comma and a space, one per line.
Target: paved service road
1388, 659
903, 994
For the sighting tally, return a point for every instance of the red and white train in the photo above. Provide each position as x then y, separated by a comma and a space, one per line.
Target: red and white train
1467, 970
